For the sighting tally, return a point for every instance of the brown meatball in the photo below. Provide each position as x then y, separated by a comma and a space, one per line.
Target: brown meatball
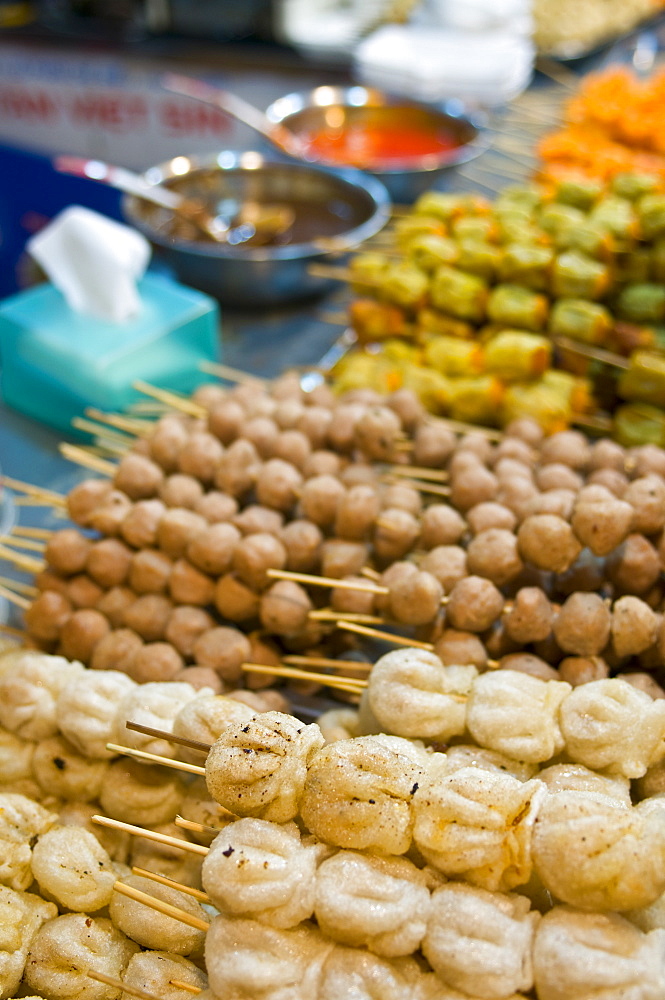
352, 601
107, 517
139, 526
582, 625
320, 498
488, 514
235, 600
614, 481
558, 502
646, 496
408, 408
181, 490
530, 616
255, 517
583, 669
644, 682
254, 556
440, 524
569, 447
47, 580
201, 456
114, 603
548, 542
139, 477
188, 585
601, 523
433, 444
148, 616
169, 437
86, 497
341, 429
109, 561
416, 600
116, 651
177, 528
635, 566
634, 626
478, 444
156, 661
225, 650
528, 663
447, 563
404, 497
287, 386
474, 604
46, 615
396, 532
265, 701
526, 429
607, 454
473, 487
266, 652
185, 624
517, 495
357, 512
225, 420
287, 413
302, 541
342, 558
262, 432
646, 459
511, 468
84, 592
278, 484
397, 573
322, 463
516, 448
211, 551
66, 551
238, 468
315, 423
216, 506
377, 432
209, 394
81, 633
493, 554
200, 677
455, 647
557, 476
285, 608
294, 447
150, 572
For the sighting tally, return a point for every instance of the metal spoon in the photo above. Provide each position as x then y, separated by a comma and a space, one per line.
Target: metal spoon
250, 222
240, 109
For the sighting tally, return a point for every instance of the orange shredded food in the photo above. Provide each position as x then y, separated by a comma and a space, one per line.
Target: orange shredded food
613, 125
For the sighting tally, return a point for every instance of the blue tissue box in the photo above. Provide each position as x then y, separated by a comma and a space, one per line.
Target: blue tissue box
56, 362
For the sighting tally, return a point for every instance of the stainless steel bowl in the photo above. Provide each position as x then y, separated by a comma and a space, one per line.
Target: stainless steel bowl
332, 211
334, 109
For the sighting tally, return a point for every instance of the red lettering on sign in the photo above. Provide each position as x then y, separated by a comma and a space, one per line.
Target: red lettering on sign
112, 112
27, 105
197, 119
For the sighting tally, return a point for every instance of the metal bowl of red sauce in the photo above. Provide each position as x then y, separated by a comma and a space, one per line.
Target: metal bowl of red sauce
406, 144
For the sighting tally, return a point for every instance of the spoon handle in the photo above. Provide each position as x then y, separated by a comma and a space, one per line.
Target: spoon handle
120, 178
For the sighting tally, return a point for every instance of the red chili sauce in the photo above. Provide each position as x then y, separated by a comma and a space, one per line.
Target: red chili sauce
382, 141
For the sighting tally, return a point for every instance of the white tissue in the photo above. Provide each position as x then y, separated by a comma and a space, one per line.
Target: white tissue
94, 261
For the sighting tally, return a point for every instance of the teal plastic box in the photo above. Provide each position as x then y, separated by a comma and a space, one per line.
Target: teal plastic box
56, 362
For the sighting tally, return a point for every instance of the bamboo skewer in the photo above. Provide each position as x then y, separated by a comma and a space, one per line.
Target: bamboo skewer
460, 427
419, 472
19, 588
132, 991
327, 680
154, 758
82, 457
13, 598
31, 532
188, 987
133, 426
103, 431
21, 487
27, 563
189, 824
158, 838
423, 486
176, 402
10, 630
165, 735
324, 661
168, 909
594, 353
23, 543
232, 374
329, 615
374, 633
327, 581
172, 884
